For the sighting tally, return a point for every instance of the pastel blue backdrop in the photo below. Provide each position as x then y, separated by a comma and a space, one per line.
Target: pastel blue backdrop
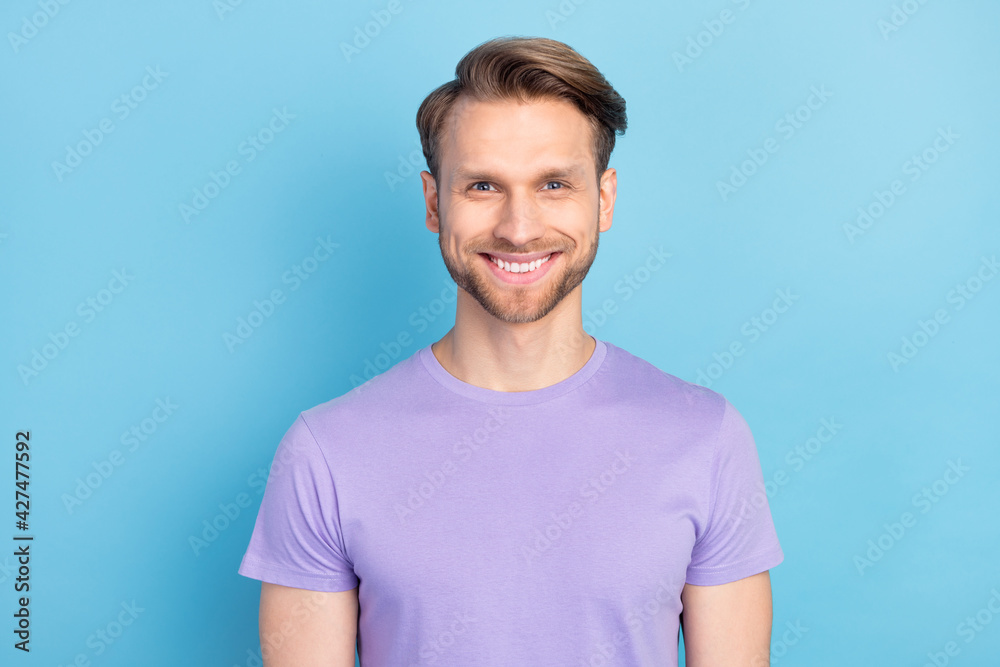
823, 177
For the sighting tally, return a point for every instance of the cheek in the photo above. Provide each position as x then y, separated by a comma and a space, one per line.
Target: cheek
572, 217
453, 243
570, 207
462, 224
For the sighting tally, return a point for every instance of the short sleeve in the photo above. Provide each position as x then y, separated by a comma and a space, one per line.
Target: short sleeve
739, 539
297, 539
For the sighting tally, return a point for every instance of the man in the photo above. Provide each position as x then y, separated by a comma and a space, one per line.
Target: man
518, 492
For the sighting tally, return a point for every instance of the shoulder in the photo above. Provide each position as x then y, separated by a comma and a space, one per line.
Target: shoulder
638, 379
392, 389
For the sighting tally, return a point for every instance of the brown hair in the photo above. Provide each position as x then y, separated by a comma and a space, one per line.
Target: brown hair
526, 69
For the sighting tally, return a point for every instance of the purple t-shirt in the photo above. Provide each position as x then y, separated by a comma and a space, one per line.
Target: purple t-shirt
547, 527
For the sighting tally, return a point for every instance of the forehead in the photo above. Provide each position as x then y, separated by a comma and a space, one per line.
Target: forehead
510, 134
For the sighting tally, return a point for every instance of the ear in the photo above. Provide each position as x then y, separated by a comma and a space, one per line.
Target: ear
432, 222
609, 190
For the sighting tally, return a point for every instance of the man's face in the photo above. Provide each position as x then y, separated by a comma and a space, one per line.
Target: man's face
517, 182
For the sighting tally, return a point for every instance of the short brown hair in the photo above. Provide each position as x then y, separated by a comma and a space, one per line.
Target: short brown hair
526, 69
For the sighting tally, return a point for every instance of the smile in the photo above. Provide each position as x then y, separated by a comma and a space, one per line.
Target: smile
520, 273
519, 268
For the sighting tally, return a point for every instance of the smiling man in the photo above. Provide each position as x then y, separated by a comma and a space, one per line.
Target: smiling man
519, 492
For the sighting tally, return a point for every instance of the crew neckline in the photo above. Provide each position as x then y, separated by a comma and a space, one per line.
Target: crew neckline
495, 397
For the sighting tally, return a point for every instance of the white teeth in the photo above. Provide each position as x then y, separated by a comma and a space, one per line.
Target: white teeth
520, 268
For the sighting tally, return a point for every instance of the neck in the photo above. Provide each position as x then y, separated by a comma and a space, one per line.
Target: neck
483, 351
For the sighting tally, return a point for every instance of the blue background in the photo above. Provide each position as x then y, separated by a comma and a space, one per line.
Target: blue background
339, 171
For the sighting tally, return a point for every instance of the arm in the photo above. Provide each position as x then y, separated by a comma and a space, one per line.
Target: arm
728, 625
301, 628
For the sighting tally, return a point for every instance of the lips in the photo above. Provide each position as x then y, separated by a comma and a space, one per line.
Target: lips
523, 269
514, 265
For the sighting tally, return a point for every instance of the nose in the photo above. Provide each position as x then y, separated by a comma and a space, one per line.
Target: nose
520, 220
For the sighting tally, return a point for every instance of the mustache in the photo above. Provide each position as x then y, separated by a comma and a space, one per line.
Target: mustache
509, 250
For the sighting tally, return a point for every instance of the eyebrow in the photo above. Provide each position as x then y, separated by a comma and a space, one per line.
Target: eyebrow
462, 174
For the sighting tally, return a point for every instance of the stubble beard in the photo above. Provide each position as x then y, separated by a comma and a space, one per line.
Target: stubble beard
517, 304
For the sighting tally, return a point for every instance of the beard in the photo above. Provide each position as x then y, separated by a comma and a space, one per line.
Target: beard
518, 304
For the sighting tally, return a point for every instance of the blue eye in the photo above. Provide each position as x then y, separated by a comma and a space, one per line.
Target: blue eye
474, 185
555, 183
